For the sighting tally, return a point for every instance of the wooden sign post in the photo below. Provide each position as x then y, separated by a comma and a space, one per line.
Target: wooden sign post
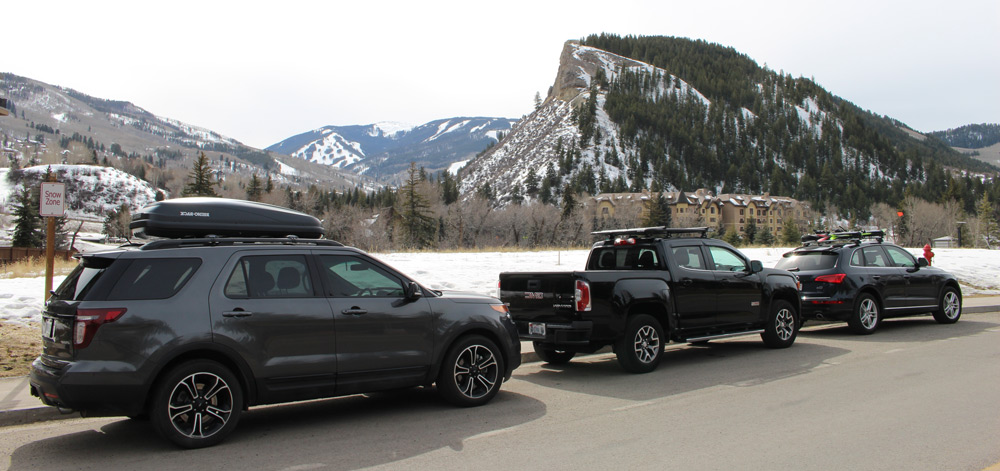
52, 205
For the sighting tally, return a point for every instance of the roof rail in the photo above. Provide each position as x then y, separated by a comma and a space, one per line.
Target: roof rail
664, 231
212, 241
841, 237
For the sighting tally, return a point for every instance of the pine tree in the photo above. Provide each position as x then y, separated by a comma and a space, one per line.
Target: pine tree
764, 237
790, 233
659, 211
750, 231
255, 188
27, 222
201, 182
988, 228
415, 216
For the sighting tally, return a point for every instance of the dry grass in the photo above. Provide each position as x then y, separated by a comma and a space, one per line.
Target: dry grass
21, 345
35, 267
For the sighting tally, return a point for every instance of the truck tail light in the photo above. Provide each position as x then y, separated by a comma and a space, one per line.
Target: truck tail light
835, 279
582, 296
89, 320
625, 241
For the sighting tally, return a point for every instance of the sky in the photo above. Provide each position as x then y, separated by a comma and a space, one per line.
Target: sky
263, 71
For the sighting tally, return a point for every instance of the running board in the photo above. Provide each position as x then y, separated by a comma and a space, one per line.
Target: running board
723, 336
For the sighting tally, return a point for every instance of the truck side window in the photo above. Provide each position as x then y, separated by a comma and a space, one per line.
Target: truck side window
726, 260
647, 260
689, 257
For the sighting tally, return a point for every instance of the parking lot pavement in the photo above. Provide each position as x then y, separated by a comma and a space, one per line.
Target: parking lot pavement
18, 406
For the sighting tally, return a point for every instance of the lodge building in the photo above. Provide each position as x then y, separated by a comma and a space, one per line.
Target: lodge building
702, 208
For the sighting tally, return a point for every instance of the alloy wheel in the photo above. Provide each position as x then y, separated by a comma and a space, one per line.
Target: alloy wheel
200, 405
647, 344
476, 371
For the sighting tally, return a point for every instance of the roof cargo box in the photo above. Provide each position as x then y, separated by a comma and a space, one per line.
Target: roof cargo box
200, 217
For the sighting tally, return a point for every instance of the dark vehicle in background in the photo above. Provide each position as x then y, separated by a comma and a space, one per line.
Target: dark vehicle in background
645, 287
190, 332
859, 278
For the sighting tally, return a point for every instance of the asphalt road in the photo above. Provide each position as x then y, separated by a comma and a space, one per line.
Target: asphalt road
916, 395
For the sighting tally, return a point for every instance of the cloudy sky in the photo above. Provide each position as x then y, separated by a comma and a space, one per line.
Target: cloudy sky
263, 71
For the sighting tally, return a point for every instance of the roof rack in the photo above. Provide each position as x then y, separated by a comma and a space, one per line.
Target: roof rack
212, 241
841, 237
664, 231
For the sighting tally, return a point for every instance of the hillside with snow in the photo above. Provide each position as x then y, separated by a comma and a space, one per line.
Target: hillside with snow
384, 150
711, 118
91, 191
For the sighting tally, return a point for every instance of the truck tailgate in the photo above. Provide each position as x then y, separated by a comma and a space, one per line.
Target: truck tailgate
542, 297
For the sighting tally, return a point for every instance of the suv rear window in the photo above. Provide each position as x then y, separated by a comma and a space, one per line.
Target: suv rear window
79, 282
807, 261
154, 278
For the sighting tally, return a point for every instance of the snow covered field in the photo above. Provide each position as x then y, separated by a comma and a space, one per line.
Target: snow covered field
978, 270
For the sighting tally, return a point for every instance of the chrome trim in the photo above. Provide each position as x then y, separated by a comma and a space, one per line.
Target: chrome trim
723, 336
912, 307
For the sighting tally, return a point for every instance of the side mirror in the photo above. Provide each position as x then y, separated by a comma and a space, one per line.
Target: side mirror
756, 266
922, 262
413, 291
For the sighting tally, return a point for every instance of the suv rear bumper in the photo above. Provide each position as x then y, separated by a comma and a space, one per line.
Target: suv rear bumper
92, 394
577, 333
827, 308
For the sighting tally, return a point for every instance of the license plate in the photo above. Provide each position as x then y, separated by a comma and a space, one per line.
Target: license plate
536, 329
48, 328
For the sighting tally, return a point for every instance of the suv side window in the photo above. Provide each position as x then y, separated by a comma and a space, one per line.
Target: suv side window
355, 277
900, 257
726, 260
153, 278
874, 257
689, 257
856, 260
270, 276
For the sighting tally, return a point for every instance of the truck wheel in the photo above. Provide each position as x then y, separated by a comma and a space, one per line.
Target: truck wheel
782, 325
641, 348
866, 315
552, 356
950, 307
197, 404
472, 372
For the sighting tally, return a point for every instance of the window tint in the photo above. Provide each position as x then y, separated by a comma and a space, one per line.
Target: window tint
726, 260
270, 276
624, 258
806, 261
900, 257
856, 259
689, 257
154, 278
874, 257
355, 277
79, 282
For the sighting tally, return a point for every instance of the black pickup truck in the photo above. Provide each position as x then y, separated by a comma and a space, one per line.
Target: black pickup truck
644, 287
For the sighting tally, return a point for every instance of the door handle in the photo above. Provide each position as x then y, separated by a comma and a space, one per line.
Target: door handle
237, 313
876, 277
354, 311
687, 282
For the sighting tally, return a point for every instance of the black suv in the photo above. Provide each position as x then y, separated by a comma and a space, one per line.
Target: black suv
855, 276
191, 332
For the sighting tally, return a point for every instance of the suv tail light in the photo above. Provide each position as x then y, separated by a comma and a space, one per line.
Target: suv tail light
88, 320
835, 279
582, 296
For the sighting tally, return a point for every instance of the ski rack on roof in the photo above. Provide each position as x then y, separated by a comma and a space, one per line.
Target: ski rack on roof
841, 237
213, 241
664, 231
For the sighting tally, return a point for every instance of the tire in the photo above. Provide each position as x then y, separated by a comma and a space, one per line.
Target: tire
472, 372
950, 307
552, 356
866, 316
641, 348
197, 404
782, 325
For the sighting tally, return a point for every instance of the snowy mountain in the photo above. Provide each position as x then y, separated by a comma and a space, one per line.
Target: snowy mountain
51, 124
706, 116
384, 150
